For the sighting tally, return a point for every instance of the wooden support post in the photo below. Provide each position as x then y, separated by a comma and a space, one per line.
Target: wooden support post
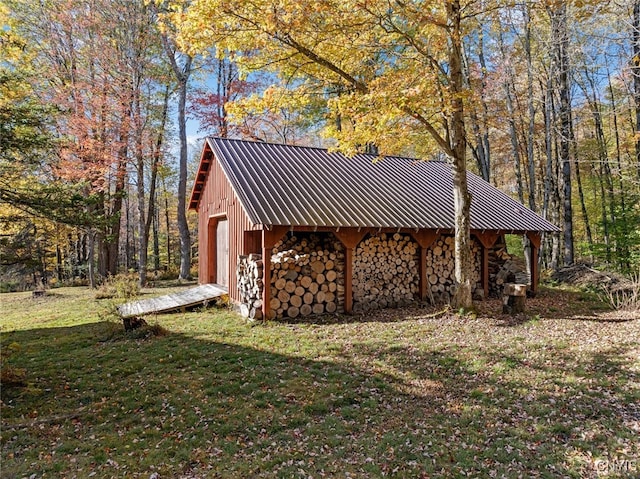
485, 271
423, 283
350, 237
535, 270
487, 240
424, 238
535, 239
348, 279
269, 239
266, 280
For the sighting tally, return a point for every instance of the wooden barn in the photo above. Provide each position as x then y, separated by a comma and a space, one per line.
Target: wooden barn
295, 230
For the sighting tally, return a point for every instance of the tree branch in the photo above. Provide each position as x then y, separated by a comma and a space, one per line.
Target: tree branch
443, 143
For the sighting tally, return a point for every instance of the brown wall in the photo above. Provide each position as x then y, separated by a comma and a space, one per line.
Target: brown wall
218, 201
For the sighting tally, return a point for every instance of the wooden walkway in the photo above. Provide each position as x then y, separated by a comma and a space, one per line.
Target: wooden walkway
162, 304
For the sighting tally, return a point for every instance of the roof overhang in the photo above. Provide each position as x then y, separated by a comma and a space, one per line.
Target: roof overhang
206, 160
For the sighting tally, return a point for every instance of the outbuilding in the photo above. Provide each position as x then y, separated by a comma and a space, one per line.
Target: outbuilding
293, 230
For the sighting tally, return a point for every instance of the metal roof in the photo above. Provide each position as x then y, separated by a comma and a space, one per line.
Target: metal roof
302, 186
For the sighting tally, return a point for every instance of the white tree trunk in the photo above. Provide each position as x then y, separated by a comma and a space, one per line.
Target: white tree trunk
462, 297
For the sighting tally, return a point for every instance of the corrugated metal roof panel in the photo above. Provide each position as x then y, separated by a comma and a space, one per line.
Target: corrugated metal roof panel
302, 186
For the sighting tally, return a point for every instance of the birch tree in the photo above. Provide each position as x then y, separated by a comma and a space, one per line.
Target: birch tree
181, 65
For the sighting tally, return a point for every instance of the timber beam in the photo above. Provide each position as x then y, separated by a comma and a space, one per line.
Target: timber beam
486, 240
349, 237
535, 239
269, 238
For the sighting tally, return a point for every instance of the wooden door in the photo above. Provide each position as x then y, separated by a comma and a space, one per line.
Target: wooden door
222, 253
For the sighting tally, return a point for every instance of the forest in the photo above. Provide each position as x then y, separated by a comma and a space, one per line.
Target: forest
540, 98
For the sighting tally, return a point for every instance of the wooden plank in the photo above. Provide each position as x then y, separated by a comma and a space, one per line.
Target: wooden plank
170, 302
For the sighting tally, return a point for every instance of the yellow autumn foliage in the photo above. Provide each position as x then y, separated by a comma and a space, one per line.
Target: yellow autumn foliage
380, 67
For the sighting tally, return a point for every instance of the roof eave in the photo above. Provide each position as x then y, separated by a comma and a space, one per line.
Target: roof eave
202, 175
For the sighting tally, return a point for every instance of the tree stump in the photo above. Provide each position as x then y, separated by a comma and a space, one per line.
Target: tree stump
513, 298
133, 323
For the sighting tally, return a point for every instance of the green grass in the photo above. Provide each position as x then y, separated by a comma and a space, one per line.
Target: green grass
400, 393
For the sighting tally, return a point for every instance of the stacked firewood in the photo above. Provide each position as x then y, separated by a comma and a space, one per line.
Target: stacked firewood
307, 276
249, 275
504, 268
498, 275
385, 272
440, 269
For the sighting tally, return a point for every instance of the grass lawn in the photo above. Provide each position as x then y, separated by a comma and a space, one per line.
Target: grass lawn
402, 393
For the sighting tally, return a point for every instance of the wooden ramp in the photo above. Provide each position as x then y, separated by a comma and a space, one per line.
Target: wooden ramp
162, 304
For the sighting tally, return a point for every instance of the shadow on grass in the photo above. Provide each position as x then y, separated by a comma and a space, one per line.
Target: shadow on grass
548, 304
106, 402
523, 409
557, 304
389, 315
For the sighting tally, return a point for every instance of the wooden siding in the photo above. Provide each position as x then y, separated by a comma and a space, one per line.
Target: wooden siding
218, 201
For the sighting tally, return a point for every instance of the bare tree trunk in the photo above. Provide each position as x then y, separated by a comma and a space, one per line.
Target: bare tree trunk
156, 238
222, 85
167, 222
59, 269
462, 199
605, 220
91, 268
129, 235
532, 112
183, 227
625, 260
145, 218
112, 242
101, 249
635, 69
143, 235
157, 151
549, 207
604, 176
481, 150
561, 44
485, 111
181, 65
515, 147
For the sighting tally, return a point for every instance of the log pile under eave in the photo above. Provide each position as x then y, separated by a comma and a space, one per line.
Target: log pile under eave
249, 274
440, 269
307, 276
385, 272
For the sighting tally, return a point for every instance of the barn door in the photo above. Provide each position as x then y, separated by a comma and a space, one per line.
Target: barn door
222, 253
